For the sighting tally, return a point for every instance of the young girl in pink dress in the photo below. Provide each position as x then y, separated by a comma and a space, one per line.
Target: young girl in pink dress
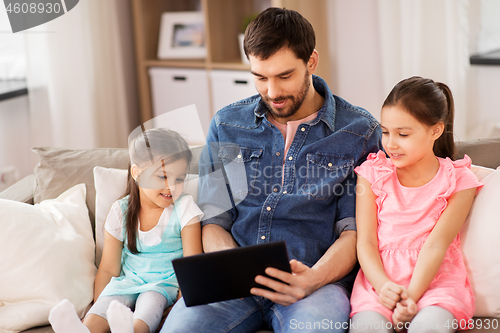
411, 203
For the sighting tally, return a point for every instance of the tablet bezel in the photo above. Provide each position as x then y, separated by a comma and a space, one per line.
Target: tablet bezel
229, 274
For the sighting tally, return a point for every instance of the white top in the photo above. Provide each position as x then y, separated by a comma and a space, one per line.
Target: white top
187, 211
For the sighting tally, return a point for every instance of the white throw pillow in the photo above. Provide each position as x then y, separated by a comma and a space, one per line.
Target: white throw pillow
481, 171
110, 185
47, 255
480, 238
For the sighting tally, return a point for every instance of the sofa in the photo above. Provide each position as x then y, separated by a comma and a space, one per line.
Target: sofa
44, 267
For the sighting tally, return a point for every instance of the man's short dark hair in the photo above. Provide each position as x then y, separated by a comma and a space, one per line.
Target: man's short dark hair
275, 28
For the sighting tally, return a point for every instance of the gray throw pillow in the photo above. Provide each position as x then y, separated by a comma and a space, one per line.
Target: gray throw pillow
59, 169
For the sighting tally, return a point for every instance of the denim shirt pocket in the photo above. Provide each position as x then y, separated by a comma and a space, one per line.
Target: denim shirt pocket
325, 174
241, 165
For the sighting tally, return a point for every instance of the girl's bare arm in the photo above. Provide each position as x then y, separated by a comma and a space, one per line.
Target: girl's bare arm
367, 244
367, 247
110, 263
191, 238
434, 249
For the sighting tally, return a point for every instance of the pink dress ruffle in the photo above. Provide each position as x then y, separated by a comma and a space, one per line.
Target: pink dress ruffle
406, 216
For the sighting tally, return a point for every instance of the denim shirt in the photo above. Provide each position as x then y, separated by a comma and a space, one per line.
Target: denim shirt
316, 201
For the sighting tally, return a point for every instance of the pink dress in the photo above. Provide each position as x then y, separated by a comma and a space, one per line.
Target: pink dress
406, 216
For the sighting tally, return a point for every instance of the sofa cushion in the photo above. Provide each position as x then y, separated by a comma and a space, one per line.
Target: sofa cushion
47, 256
110, 185
60, 169
480, 239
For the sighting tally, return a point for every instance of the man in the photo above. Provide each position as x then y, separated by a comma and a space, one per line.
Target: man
299, 145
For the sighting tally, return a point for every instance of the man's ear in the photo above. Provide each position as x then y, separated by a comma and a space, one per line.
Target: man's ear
437, 130
135, 171
312, 64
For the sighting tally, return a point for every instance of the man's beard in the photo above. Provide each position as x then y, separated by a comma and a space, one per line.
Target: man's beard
295, 101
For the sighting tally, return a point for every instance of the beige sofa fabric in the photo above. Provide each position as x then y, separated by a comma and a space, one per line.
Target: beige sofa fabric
484, 152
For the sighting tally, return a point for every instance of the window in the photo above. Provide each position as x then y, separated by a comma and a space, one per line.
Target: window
12, 50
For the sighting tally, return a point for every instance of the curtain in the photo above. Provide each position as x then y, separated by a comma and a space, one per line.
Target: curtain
427, 38
81, 77
12, 60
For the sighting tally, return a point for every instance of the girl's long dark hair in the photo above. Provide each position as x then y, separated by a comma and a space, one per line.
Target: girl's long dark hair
147, 148
430, 103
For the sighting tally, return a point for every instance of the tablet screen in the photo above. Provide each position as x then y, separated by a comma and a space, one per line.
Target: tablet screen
219, 276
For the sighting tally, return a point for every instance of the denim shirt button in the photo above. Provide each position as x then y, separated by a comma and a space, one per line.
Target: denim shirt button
268, 208
275, 189
285, 192
262, 237
278, 153
290, 158
303, 129
330, 164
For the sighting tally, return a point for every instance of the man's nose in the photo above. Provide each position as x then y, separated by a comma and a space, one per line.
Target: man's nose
273, 90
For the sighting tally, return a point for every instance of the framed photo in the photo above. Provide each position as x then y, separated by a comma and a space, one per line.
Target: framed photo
182, 36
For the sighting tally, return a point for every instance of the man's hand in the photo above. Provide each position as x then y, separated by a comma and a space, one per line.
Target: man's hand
295, 286
404, 312
390, 294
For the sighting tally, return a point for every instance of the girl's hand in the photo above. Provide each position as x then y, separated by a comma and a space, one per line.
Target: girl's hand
404, 313
390, 294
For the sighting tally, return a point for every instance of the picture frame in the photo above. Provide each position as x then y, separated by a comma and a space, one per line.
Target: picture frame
182, 36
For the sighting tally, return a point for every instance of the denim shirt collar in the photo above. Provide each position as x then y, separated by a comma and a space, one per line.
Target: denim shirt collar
325, 114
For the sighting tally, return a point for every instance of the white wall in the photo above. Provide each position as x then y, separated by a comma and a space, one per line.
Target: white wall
356, 53
12, 59
487, 31
483, 105
483, 102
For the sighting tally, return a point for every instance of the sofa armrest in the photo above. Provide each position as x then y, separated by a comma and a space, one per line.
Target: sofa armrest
20, 191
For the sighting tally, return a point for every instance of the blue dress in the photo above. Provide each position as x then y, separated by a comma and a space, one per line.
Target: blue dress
150, 269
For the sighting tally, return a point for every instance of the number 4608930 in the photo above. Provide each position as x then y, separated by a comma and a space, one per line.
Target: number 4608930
33, 8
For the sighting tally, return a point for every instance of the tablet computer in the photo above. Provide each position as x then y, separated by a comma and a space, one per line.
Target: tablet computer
223, 275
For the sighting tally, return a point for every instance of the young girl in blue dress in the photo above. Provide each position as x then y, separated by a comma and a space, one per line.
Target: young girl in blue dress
144, 231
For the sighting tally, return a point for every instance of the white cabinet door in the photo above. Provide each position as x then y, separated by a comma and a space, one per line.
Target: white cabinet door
175, 88
230, 86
